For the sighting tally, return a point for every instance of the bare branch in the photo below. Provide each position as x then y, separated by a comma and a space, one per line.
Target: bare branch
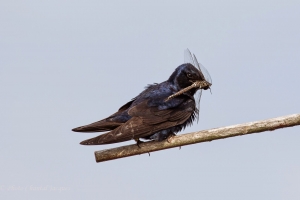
200, 136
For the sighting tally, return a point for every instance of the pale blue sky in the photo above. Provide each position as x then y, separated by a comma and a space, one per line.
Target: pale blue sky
68, 63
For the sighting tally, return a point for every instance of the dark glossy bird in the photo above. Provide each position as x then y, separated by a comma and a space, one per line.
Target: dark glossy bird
152, 115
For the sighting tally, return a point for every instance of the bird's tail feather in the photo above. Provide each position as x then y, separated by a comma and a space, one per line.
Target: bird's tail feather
99, 126
107, 138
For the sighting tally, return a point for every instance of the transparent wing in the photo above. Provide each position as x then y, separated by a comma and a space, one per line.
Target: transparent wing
188, 57
191, 58
197, 100
203, 71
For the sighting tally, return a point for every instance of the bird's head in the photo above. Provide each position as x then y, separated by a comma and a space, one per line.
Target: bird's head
189, 77
185, 75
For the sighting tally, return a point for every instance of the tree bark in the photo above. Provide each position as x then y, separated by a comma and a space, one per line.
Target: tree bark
197, 137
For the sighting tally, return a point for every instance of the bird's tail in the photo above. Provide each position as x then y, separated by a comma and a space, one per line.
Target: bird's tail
106, 138
99, 126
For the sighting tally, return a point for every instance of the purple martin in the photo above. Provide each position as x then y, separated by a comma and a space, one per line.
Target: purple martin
153, 115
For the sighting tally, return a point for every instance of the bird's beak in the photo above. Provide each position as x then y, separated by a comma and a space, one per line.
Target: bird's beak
197, 84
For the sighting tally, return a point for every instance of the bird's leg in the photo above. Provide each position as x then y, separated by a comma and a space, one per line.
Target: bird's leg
138, 142
169, 138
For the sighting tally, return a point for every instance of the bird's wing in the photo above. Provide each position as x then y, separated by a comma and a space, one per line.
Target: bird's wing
106, 124
145, 121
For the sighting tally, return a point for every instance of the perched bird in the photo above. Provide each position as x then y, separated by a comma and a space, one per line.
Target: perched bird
158, 112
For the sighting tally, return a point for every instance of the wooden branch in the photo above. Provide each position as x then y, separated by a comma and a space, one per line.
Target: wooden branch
200, 136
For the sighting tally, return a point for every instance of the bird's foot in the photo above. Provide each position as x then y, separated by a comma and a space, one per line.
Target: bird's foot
138, 142
169, 138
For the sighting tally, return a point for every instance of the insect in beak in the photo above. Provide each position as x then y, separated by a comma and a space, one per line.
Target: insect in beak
197, 84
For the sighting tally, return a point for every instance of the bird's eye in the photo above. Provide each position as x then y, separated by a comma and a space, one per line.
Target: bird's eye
189, 75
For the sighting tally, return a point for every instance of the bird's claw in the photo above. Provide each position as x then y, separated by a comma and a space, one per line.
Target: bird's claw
169, 138
138, 142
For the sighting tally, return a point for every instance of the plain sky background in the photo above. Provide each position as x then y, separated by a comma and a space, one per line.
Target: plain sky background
69, 63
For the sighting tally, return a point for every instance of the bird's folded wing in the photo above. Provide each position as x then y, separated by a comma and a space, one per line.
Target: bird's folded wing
100, 126
146, 121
